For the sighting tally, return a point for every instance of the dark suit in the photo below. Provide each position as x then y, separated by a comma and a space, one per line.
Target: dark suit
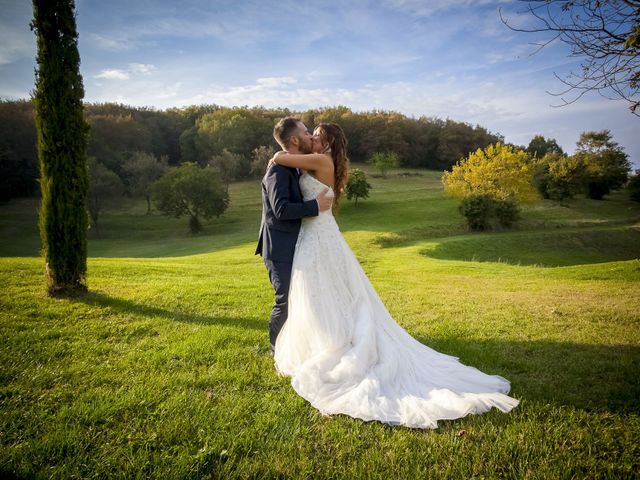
282, 211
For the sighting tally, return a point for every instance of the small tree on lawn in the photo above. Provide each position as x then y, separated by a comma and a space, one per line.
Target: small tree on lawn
383, 162
104, 186
191, 190
357, 185
141, 171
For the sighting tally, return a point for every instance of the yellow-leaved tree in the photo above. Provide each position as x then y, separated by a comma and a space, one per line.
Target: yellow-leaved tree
499, 172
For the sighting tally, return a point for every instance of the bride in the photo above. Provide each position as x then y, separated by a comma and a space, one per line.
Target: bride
344, 352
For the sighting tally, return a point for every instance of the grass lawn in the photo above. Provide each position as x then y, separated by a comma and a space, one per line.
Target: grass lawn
163, 370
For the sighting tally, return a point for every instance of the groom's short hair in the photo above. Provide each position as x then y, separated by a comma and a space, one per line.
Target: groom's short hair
284, 130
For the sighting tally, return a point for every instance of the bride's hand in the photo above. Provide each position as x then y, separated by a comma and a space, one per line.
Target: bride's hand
273, 160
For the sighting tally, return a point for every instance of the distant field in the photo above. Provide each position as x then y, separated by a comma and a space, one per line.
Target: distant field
163, 371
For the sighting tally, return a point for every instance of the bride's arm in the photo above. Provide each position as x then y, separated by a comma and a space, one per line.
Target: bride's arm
309, 161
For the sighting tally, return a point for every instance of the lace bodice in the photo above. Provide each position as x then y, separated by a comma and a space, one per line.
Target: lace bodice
311, 187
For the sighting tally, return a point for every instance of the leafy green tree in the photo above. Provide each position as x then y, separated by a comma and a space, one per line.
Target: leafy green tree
62, 143
540, 146
558, 176
191, 149
260, 159
238, 130
193, 191
606, 165
230, 165
104, 186
383, 162
357, 185
141, 171
566, 177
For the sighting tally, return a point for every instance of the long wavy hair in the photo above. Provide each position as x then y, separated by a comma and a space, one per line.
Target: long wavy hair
333, 135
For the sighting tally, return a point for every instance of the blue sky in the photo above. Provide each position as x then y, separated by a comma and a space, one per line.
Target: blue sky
443, 58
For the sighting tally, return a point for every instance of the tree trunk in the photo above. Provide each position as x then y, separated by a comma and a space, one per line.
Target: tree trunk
194, 224
148, 204
62, 142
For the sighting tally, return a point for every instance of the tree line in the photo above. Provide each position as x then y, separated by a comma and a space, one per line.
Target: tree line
236, 141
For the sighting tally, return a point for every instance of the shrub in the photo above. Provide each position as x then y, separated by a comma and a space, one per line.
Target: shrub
506, 211
477, 209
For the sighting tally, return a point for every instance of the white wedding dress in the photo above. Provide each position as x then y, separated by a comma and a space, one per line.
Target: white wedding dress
346, 355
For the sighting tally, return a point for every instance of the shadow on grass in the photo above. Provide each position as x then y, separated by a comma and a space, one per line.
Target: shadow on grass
545, 249
589, 377
126, 306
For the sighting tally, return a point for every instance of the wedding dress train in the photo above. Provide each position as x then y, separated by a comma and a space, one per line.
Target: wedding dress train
346, 355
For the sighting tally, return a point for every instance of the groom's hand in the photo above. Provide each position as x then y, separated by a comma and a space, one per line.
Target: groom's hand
324, 201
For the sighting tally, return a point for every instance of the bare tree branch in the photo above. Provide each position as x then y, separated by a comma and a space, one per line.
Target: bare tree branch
605, 34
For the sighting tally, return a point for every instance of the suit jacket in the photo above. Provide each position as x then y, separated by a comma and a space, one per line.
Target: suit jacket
283, 208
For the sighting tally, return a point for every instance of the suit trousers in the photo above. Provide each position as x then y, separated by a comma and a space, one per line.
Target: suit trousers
280, 276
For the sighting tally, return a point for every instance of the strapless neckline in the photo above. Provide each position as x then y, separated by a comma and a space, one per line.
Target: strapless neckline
321, 183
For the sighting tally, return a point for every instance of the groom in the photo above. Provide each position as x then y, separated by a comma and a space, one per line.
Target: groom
282, 211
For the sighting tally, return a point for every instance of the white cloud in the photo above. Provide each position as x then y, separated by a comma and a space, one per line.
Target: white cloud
142, 68
113, 74
271, 82
133, 69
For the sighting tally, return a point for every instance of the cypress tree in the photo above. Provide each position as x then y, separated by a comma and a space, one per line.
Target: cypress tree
62, 143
